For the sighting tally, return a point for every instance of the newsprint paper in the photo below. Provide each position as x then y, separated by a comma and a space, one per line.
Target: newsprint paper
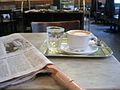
19, 60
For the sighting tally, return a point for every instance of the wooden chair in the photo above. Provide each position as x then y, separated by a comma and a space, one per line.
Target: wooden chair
68, 25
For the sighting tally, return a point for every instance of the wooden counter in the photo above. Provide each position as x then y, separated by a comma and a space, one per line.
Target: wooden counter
44, 16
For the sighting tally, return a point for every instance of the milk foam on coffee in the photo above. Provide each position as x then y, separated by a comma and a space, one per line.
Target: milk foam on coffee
79, 33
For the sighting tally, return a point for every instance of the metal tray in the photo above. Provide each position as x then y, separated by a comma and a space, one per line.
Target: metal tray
103, 51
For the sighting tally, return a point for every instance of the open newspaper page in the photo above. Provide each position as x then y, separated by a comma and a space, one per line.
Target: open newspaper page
19, 57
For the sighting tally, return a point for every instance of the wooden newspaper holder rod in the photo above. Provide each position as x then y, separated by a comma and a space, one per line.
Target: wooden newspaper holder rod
63, 79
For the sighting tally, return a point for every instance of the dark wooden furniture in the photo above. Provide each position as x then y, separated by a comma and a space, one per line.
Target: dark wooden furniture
52, 17
68, 25
7, 22
117, 20
114, 23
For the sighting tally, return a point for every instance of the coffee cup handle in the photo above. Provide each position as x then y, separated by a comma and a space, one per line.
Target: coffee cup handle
93, 39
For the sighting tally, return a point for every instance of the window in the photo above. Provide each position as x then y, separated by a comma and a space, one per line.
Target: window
117, 1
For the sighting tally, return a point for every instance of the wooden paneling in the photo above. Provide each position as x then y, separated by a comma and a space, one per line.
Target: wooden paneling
89, 1
17, 3
35, 2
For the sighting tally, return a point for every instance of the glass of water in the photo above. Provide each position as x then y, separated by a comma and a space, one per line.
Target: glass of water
54, 37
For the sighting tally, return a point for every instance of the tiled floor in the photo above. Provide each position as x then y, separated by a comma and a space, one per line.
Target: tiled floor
111, 39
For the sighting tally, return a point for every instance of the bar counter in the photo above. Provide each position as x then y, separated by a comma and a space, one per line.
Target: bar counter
44, 15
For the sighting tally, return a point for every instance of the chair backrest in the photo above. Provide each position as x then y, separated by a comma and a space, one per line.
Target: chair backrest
68, 25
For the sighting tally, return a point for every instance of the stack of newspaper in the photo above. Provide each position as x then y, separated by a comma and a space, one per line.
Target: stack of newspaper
19, 60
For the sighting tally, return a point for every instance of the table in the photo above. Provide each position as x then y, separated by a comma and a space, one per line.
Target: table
89, 73
116, 21
114, 24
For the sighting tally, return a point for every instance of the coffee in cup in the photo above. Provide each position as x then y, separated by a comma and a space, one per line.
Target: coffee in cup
79, 39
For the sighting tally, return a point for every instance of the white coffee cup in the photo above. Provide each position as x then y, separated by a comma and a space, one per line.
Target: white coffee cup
79, 39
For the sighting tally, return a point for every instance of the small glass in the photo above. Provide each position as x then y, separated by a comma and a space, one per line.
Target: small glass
54, 38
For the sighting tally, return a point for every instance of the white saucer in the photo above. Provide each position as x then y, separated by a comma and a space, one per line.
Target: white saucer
89, 50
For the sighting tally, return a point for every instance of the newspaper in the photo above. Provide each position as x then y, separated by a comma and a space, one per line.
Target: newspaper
19, 59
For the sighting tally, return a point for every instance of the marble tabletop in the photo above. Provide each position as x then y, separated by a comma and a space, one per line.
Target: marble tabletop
89, 73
